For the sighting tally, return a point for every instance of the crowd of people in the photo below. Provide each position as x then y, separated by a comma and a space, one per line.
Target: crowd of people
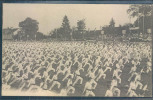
79, 68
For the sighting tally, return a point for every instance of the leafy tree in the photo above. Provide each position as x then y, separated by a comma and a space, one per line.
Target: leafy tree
66, 28
39, 36
29, 28
143, 13
136, 10
57, 33
75, 33
81, 26
53, 33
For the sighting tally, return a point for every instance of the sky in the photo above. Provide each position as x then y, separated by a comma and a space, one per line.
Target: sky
50, 16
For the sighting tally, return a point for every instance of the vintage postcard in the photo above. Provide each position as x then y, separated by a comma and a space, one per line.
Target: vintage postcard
101, 50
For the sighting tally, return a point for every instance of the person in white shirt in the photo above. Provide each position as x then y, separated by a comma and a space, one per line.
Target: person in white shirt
89, 87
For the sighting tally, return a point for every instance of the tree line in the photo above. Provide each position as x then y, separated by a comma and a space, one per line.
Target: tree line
28, 29
65, 32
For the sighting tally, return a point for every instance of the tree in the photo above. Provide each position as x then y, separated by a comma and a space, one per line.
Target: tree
143, 13
81, 26
136, 10
66, 28
112, 23
39, 36
75, 33
57, 33
29, 28
111, 28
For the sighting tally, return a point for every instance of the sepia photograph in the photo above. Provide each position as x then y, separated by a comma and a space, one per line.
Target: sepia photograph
77, 50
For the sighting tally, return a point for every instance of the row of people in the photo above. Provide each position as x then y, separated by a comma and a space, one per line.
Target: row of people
75, 61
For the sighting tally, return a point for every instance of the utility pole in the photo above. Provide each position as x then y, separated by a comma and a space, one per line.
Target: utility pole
130, 34
35, 37
56, 33
71, 35
143, 23
138, 23
27, 37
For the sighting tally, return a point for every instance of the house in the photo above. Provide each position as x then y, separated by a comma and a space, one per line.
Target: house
7, 33
93, 34
116, 32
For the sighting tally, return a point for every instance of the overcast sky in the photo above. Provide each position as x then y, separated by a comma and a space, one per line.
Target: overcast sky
50, 16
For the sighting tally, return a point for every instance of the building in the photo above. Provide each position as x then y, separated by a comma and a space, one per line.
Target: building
142, 28
120, 32
7, 33
93, 35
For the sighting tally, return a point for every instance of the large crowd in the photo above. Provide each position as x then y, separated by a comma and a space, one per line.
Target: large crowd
113, 69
